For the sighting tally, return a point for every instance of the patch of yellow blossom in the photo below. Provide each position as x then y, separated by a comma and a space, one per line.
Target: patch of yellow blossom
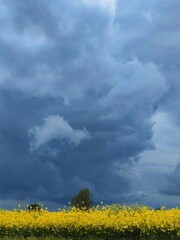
103, 221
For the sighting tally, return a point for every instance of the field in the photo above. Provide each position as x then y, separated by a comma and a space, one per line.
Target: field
110, 222
55, 238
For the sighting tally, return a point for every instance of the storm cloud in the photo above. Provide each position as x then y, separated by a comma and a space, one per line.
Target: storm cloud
173, 183
79, 84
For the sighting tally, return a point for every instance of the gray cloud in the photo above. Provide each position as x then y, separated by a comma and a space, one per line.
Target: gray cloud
101, 66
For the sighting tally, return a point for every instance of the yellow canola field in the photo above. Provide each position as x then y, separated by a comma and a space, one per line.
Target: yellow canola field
112, 222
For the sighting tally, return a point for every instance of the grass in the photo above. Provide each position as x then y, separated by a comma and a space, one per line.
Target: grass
46, 238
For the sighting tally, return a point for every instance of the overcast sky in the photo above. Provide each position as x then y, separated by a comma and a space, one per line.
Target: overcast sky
90, 97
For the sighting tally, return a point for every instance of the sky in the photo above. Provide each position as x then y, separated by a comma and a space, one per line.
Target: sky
89, 98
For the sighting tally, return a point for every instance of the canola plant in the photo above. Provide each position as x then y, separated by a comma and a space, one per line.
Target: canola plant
108, 222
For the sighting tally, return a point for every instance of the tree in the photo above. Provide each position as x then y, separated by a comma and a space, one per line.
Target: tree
34, 207
83, 200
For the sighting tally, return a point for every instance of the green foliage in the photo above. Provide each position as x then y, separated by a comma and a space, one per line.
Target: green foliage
83, 200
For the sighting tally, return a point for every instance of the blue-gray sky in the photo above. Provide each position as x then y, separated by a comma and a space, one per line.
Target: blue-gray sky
89, 97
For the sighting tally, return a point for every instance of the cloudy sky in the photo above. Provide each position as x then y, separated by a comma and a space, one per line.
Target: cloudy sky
90, 97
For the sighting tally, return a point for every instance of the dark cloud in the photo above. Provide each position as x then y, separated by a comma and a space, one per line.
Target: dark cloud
172, 186
59, 169
79, 83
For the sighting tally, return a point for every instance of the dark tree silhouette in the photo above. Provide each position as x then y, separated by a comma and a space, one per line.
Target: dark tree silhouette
83, 200
34, 207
